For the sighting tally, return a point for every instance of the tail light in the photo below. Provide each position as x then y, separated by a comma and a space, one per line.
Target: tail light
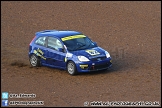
32, 40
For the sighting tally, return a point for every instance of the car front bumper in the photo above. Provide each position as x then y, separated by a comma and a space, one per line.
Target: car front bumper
94, 65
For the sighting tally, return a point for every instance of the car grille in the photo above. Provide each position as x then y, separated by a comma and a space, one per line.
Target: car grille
98, 58
100, 66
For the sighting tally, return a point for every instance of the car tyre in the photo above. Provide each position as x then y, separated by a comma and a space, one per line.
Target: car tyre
71, 68
34, 61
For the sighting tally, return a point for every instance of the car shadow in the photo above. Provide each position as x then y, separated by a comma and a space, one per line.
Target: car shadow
129, 62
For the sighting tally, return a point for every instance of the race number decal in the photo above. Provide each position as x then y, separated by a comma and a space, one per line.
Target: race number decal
92, 52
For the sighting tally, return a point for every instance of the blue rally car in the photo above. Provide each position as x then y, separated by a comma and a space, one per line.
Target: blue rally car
68, 50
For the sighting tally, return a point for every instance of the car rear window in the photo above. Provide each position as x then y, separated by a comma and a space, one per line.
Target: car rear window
40, 41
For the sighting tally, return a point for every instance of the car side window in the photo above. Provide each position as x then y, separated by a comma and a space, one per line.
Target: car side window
54, 43
41, 41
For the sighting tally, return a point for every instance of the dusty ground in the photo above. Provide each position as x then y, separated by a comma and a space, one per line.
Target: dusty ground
130, 31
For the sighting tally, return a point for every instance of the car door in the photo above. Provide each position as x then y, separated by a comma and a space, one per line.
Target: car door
40, 48
55, 57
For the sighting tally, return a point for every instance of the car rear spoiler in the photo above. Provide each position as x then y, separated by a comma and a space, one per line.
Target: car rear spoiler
45, 31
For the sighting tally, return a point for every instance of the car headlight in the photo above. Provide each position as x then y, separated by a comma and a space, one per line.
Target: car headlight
83, 58
107, 54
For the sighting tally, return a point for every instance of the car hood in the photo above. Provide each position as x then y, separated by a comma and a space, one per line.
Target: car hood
90, 53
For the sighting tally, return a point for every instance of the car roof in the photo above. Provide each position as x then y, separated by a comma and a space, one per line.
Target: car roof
57, 33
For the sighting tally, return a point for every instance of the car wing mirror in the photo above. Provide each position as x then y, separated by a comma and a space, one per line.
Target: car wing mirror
95, 43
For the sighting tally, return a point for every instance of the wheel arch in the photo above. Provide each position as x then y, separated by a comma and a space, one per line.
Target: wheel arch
68, 62
34, 54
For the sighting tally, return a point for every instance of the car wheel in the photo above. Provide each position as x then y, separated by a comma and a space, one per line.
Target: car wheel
34, 61
71, 68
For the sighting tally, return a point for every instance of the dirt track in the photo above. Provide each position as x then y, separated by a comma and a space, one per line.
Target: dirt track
130, 31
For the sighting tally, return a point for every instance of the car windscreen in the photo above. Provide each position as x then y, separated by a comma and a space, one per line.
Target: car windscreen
78, 43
